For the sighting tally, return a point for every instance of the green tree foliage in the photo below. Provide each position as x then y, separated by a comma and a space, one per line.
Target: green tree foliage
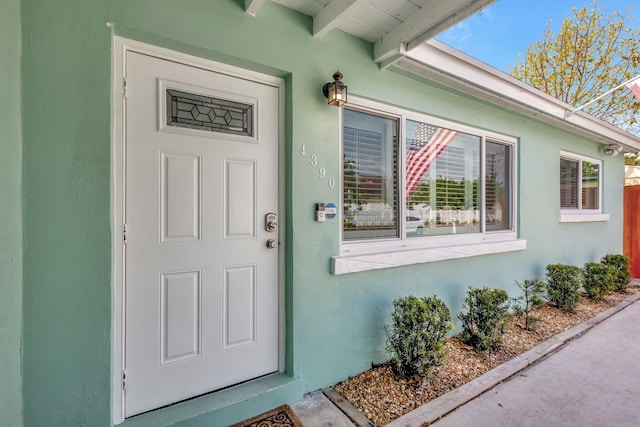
532, 291
632, 159
591, 54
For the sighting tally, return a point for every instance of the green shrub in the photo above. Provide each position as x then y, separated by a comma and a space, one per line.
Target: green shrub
599, 279
532, 291
483, 322
563, 283
418, 334
621, 265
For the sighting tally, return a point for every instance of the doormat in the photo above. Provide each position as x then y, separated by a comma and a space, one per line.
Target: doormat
279, 417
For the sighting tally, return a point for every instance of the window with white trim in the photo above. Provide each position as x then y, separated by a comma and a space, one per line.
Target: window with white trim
580, 189
370, 175
418, 181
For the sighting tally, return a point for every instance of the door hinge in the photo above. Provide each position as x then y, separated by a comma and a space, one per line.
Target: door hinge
124, 87
124, 379
124, 233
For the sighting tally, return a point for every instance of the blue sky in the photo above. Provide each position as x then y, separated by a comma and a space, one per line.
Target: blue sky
497, 34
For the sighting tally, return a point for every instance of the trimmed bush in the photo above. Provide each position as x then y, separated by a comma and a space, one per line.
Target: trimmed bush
418, 334
532, 291
599, 279
483, 322
621, 265
563, 284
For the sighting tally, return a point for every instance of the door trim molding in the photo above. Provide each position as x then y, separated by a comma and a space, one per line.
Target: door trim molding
120, 47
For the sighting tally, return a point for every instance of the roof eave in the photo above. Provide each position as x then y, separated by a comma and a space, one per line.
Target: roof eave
442, 64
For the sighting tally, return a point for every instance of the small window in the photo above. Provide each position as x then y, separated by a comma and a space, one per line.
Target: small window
580, 183
201, 112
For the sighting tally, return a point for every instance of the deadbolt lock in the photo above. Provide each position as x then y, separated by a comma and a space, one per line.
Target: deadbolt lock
271, 222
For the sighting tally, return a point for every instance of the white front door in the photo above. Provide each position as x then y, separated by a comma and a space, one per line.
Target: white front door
201, 282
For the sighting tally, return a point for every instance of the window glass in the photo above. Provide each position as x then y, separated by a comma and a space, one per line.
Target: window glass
458, 184
579, 183
590, 185
370, 177
442, 181
497, 186
568, 183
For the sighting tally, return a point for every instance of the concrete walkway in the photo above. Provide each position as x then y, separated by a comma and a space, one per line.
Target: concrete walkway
315, 410
592, 380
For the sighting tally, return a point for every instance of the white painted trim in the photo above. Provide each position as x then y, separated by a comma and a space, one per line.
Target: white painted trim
330, 16
117, 219
392, 244
445, 65
356, 263
252, 7
567, 155
434, 17
120, 47
582, 217
575, 156
163, 85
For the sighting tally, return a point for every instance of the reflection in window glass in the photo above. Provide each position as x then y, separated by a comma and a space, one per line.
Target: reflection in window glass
590, 185
497, 181
568, 183
442, 181
579, 184
370, 184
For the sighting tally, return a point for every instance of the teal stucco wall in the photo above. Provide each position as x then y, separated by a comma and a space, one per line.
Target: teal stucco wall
10, 216
335, 323
67, 257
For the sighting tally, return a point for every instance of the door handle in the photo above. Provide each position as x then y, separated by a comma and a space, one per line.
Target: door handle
272, 244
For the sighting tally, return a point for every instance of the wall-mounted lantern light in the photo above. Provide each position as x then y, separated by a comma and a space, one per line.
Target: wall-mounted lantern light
336, 91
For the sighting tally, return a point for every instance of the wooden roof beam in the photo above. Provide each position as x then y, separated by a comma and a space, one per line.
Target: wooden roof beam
435, 17
329, 17
252, 7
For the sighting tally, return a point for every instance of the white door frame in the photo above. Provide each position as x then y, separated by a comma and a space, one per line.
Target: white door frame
120, 47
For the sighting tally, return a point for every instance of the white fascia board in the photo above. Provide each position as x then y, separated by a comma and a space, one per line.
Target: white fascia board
329, 17
252, 7
442, 64
434, 17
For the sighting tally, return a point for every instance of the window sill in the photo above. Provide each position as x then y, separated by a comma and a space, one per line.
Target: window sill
363, 262
582, 217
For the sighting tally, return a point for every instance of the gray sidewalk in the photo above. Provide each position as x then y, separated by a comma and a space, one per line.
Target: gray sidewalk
592, 380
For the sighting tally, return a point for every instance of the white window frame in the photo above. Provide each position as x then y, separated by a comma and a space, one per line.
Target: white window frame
362, 255
579, 214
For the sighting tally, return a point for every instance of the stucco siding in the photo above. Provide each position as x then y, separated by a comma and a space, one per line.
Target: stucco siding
10, 215
335, 324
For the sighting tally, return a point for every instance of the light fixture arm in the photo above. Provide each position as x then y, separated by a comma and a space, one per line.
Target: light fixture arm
568, 113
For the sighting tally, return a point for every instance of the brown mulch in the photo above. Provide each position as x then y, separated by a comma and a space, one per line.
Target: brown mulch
383, 396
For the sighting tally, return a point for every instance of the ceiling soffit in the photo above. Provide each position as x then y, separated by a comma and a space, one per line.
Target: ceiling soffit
394, 26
